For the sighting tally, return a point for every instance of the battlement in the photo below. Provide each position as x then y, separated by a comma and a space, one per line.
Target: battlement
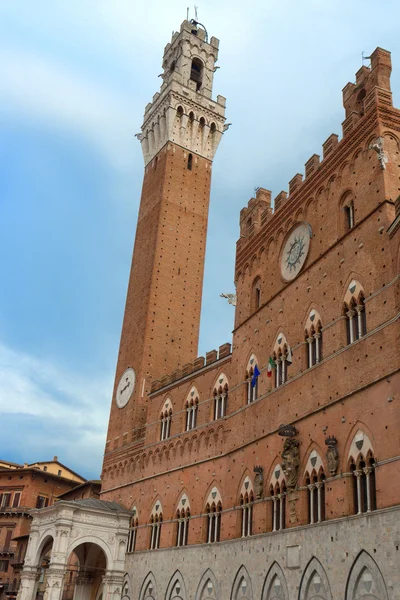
370, 91
257, 212
211, 357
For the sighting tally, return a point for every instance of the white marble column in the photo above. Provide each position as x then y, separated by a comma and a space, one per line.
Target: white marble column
27, 589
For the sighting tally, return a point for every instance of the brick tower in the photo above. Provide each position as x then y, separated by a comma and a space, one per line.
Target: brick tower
181, 131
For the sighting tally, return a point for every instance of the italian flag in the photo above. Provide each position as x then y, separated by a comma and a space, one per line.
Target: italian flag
271, 365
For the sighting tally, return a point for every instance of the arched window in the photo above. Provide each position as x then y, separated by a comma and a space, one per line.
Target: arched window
316, 496
182, 516
191, 413
246, 503
190, 162
282, 359
347, 204
213, 516
354, 311
364, 486
196, 72
220, 398
156, 520
165, 418
252, 373
362, 465
314, 344
278, 496
214, 522
133, 526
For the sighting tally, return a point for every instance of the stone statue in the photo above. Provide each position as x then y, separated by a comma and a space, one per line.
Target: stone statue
258, 482
230, 297
382, 155
332, 454
291, 461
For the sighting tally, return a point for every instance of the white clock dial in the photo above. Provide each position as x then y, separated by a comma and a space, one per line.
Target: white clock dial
295, 251
125, 388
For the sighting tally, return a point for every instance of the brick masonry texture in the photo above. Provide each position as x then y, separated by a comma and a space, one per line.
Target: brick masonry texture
352, 391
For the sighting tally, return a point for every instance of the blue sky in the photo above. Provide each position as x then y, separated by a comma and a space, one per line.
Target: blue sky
75, 77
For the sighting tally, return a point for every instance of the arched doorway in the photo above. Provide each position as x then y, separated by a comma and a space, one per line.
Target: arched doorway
87, 565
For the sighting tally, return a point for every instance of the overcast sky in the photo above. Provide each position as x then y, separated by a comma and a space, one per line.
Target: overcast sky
75, 76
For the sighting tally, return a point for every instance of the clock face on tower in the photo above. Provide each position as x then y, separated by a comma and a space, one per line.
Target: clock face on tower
125, 388
295, 251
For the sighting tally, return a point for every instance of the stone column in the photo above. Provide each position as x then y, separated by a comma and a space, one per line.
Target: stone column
350, 315
112, 583
83, 587
27, 587
367, 471
54, 583
319, 506
310, 357
317, 347
311, 492
358, 474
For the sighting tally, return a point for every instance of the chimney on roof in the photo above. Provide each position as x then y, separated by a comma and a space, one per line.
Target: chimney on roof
55, 458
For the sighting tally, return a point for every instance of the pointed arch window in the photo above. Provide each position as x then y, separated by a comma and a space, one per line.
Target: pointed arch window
278, 497
252, 384
316, 497
246, 503
165, 419
364, 485
182, 531
213, 511
156, 521
356, 322
349, 215
314, 345
220, 401
282, 359
191, 413
196, 72
133, 527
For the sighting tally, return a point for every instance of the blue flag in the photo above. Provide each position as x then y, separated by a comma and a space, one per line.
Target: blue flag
255, 375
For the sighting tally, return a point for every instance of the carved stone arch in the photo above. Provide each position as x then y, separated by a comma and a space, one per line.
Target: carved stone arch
312, 316
48, 536
156, 506
126, 587
365, 581
212, 495
242, 588
148, 590
314, 582
252, 361
166, 404
345, 196
176, 589
359, 442
275, 586
183, 501
347, 292
313, 460
243, 488
280, 341
208, 587
192, 394
342, 168
91, 539
275, 474
220, 382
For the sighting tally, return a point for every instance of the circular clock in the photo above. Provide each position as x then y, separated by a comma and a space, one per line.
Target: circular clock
125, 388
295, 251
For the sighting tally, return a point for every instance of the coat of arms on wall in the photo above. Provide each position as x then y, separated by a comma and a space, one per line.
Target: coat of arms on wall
258, 482
332, 454
291, 461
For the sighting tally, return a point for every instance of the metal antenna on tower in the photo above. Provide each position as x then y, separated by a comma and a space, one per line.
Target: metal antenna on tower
364, 57
195, 12
187, 14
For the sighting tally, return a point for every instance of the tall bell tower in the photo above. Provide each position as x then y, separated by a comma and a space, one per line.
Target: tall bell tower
181, 130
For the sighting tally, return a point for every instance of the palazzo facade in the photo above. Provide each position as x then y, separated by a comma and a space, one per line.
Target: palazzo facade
268, 469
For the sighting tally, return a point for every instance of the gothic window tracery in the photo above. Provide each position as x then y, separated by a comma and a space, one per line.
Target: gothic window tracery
362, 465
191, 405
220, 397
251, 381
165, 418
354, 311
213, 513
315, 481
246, 503
282, 357
182, 516
133, 527
313, 337
156, 520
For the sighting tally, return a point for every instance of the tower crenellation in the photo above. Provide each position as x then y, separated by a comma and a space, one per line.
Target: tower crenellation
183, 111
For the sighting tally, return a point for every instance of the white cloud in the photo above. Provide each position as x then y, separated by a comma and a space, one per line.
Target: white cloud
38, 88
69, 413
